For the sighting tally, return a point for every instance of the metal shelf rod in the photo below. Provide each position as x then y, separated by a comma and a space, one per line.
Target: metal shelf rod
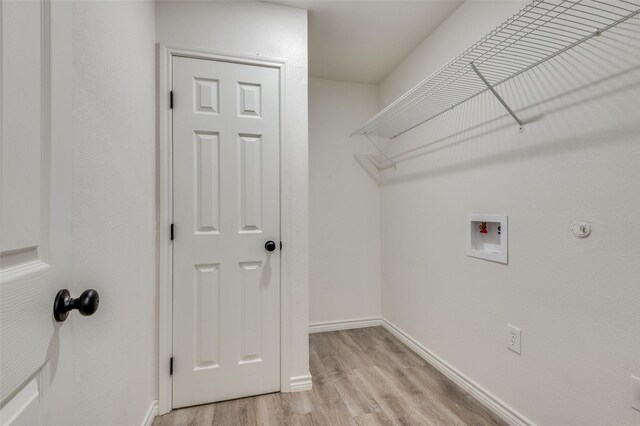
502, 101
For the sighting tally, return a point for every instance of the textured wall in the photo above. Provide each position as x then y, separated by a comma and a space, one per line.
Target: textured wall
344, 205
114, 211
264, 29
576, 300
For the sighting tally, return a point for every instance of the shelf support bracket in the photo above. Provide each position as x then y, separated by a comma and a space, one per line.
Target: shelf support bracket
380, 150
502, 101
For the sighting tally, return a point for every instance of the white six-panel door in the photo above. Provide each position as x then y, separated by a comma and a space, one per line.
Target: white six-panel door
226, 198
35, 219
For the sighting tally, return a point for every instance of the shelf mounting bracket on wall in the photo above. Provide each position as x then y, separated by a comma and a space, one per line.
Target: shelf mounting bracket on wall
380, 150
495, 93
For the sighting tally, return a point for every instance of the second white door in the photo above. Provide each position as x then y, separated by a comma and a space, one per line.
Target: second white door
226, 273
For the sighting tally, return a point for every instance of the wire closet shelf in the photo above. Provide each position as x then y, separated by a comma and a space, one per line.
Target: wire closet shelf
539, 32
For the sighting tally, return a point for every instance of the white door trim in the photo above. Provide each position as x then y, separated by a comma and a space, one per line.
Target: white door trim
165, 216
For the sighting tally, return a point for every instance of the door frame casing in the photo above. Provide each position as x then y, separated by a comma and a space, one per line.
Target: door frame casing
165, 209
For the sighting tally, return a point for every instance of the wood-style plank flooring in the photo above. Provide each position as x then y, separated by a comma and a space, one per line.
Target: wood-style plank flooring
360, 377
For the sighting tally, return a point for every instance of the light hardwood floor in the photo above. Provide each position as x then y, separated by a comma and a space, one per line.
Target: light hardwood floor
360, 377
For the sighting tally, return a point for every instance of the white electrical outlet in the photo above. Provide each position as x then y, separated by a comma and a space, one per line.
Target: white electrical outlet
515, 337
635, 392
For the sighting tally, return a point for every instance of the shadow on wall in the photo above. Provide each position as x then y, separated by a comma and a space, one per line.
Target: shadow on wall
584, 97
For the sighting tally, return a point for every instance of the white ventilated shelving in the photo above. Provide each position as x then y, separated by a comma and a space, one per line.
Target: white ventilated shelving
539, 32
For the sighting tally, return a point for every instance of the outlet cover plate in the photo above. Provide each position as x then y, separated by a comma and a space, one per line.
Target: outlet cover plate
635, 392
514, 339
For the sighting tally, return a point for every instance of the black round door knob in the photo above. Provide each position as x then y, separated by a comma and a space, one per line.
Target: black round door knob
270, 246
86, 304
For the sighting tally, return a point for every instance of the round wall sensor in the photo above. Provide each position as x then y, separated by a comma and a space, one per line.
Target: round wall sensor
581, 228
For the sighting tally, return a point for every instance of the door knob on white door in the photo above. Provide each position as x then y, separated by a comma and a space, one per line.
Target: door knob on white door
86, 304
270, 246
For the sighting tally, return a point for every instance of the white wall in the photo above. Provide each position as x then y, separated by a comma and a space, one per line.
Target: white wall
114, 211
344, 205
268, 30
576, 300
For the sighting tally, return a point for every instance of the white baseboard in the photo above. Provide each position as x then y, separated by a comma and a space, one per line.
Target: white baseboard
489, 400
320, 327
300, 383
151, 414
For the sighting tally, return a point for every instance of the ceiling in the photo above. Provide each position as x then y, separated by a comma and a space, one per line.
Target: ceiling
363, 41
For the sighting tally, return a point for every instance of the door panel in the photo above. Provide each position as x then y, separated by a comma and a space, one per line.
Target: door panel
226, 286
35, 189
250, 191
251, 312
207, 181
207, 316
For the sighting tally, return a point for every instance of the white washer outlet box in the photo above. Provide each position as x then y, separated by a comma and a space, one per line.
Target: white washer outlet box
487, 237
